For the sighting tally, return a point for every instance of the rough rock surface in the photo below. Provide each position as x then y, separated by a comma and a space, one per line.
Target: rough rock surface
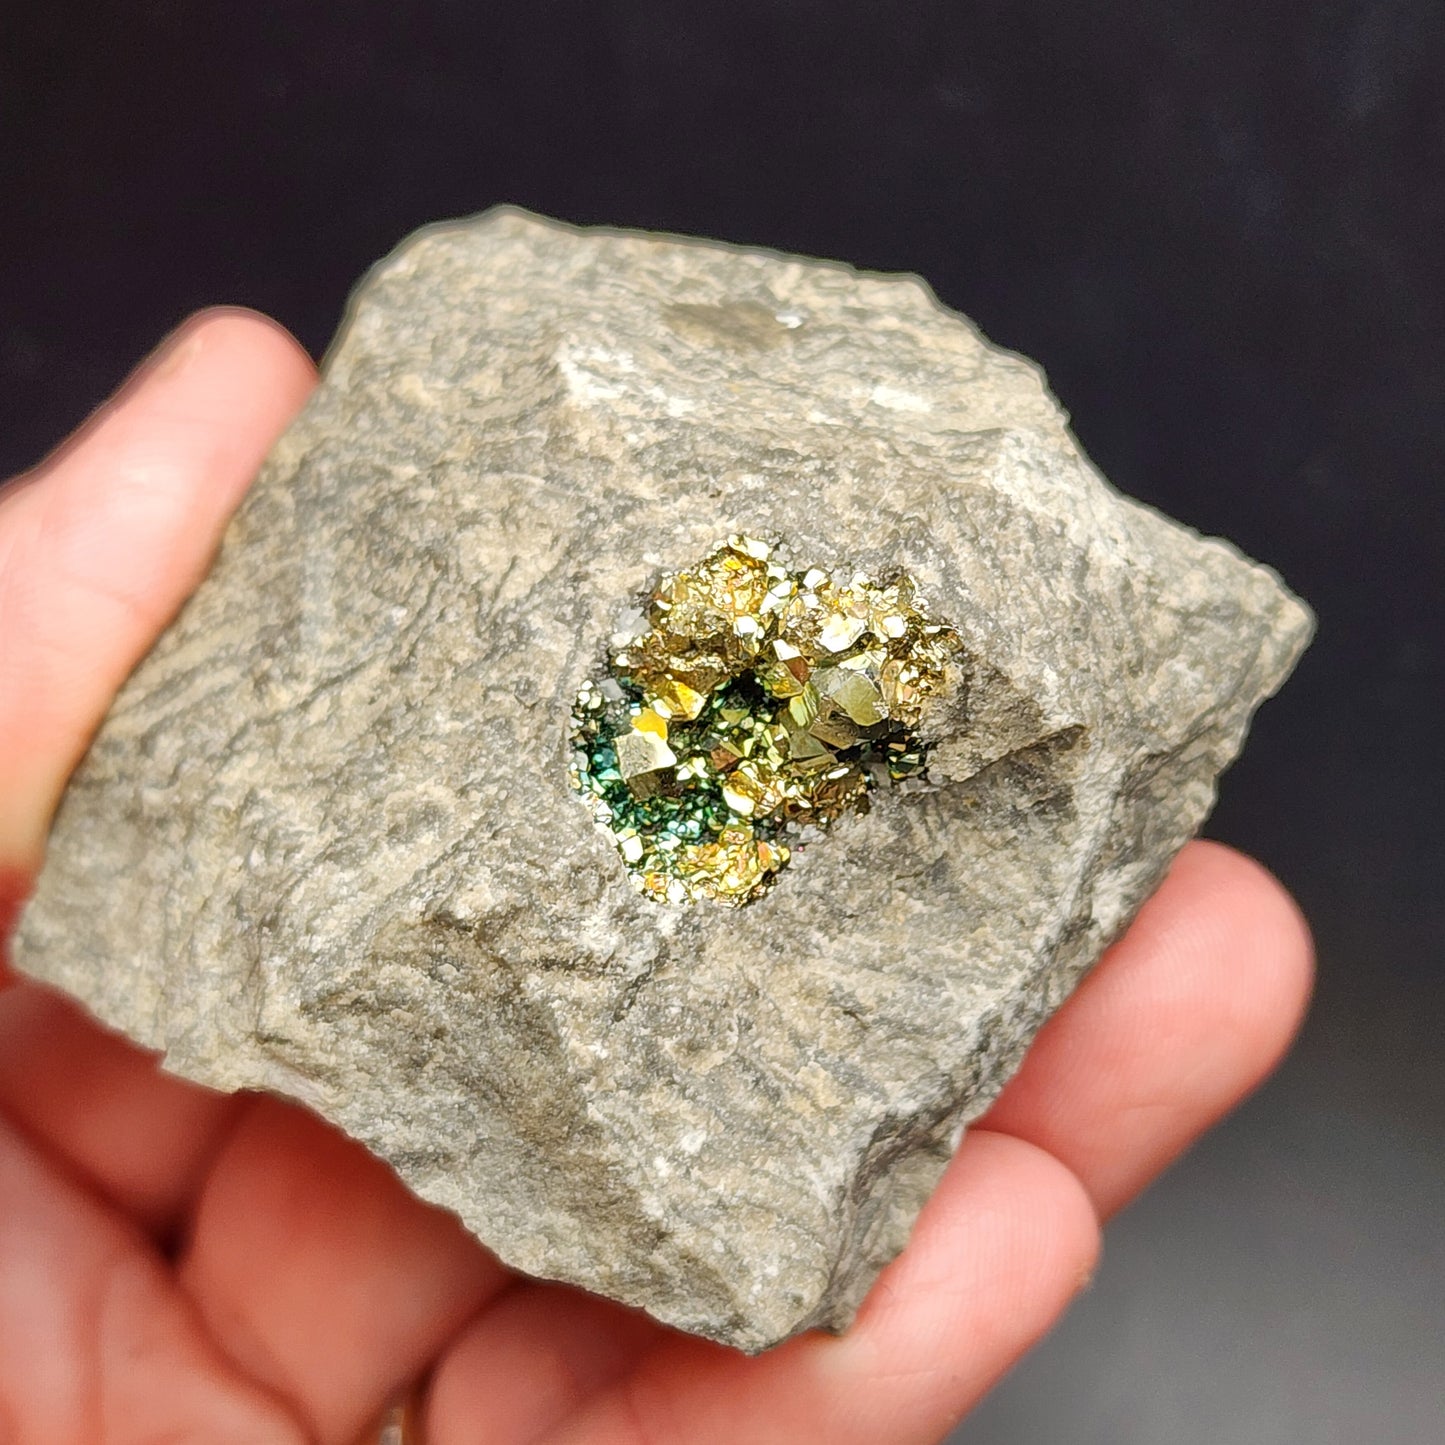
325, 843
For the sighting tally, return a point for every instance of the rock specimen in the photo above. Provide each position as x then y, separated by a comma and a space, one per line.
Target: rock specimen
328, 841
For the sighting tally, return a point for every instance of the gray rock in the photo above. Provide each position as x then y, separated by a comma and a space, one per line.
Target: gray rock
325, 842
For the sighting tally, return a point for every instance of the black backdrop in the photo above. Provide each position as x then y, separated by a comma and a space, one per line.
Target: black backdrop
1216, 225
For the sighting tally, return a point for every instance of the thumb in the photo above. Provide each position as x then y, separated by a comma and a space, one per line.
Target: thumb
102, 543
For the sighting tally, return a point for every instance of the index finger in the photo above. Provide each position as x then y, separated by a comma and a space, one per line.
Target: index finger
101, 544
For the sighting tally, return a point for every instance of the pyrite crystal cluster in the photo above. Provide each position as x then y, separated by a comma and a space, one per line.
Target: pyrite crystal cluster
326, 843
761, 704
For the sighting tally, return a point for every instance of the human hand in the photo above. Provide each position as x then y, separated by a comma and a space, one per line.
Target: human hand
175, 1263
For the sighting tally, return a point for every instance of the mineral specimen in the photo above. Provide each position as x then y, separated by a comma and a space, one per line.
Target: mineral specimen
761, 703
326, 842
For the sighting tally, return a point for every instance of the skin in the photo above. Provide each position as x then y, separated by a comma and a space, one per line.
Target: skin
178, 1264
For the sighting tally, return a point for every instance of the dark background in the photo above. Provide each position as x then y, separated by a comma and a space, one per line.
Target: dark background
1216, 225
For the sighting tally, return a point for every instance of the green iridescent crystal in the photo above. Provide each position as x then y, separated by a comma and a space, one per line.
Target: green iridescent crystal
761, 702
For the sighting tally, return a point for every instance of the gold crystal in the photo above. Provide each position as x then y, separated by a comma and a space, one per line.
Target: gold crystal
760, 700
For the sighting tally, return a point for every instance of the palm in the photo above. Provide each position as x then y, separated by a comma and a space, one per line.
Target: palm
177, 1263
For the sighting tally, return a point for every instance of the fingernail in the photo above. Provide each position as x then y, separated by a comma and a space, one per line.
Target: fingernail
176, 352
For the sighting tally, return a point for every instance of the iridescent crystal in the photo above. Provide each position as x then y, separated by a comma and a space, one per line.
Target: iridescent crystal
760, 701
